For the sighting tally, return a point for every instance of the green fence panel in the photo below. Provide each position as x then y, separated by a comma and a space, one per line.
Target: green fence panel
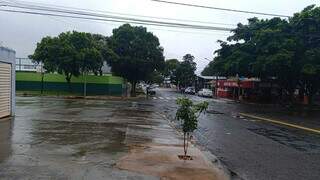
78, 88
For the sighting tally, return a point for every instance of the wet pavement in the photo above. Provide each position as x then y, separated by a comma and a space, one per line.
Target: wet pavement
65, 139
251, 148
51, 138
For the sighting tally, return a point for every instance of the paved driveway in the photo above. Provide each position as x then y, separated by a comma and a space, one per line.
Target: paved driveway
75, 139
54, 138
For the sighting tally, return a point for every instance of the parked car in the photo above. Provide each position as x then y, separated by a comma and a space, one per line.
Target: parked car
151, 90
190, 90
205, 93
154, 85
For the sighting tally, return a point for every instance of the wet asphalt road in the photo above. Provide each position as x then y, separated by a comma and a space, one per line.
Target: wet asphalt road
253, 149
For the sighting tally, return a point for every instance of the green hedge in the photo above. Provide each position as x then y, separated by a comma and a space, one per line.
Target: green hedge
96, 85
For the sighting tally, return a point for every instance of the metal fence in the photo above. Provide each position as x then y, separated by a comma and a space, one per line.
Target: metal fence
26, 64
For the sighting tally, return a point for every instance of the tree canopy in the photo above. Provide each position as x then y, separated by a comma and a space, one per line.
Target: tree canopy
185, 73
286, 50
139, 53
170, 69
71, 53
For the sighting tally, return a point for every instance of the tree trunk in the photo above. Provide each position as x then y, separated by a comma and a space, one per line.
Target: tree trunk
68, 78
292, 98
184, 144
42, 77
281, 95
310, 97
85, 84
133, 88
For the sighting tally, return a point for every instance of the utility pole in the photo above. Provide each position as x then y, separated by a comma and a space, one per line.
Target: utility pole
85, 84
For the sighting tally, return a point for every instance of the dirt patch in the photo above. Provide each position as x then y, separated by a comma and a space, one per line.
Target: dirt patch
183, 157
162, 161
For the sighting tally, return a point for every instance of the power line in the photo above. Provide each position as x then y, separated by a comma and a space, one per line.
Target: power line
222, 9
125, 14
119, 21
126, 19
115, 24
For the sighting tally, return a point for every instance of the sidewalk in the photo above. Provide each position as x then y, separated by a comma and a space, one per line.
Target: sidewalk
160, 156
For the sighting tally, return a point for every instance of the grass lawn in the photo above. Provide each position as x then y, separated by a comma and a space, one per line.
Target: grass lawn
33, 76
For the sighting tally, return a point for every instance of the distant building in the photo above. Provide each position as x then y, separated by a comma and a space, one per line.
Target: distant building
106, 69
26, 64
207, 82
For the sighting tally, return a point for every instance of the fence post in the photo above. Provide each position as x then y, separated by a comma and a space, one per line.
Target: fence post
19, 64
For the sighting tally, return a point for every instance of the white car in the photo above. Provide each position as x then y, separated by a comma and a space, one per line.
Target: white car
189, 90
205, 93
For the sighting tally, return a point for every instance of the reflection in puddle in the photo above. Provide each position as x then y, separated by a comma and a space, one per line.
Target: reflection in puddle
6, 125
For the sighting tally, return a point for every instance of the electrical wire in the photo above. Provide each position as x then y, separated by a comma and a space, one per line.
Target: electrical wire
221, 9
122, 21
123, 14
55, 10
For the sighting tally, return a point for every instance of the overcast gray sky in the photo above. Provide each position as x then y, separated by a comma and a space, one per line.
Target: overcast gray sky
21, 32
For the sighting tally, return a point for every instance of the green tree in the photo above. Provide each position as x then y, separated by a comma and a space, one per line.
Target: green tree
270, 49
155, 77
139, 54
170, 69
71, 54
306, 28
185, 73
103, 44
188, 113
208, 70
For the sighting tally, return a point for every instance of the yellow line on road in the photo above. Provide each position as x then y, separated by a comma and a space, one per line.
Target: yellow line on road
280, 122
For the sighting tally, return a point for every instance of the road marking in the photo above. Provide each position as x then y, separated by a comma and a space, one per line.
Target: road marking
219, 101
196, 99
160, 97
154, 98
280, 122
168, 98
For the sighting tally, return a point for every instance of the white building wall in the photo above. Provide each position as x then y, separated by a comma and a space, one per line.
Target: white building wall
9, 56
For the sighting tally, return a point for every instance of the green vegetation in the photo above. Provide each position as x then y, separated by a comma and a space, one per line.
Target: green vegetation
286, 51
184, 73
170, 68
132, 53
181, 73
72, 54
31, 76
139, 54
188, 113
